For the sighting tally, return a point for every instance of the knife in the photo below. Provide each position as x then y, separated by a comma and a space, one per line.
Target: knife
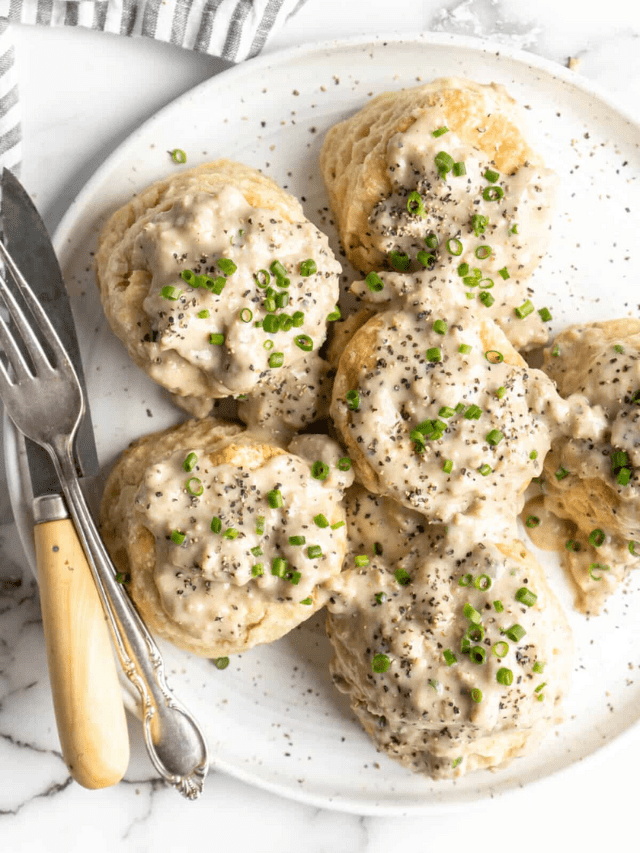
86, 692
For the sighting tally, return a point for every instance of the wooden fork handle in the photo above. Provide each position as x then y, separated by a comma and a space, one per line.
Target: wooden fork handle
87, 695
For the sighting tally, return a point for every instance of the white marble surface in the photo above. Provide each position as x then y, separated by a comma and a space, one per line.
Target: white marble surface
82, 93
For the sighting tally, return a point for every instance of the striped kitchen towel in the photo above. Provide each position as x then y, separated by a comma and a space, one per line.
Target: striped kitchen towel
232, 29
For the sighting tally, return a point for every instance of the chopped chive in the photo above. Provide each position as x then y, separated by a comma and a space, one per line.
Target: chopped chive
492, 193
319, 470
624, 477
337, 525
485, 470
246, 315
446, 412
294, 577
471, 614
190, 462
524, 310
500, 649
449, 657
465, 349
344, 464
561, 473
597, 537
221, 663
479, 224
227, 266
177, 537
321, 520
459, 169
500, 392
257, 570
477, 654
298, 318
504, 676
257, 551
307, 600
172, 293
632, 548
332, 317
374, 282
415, 204
545, 315
178, 155
426, 259
618, 348
276, 359
353, 400
262, 279
314, 551
487, 299
197, 489
498, 606
533, 455
454, 246
434, 354
466, 579
483, 583
483, 252
572, 545
476, 695
203, 314
473, 413
440, 327
308, 267
444, 163
439, 131
515, 633
279, 567
190, 277
402, 576
526, 596
399, 261
492, 176
216, 339
380, 663
532, 521
538, 666
260, 525
278, 270
297, 540
463, 269
447, 467
361, 560
504, 273
431, 241
303, 342
494, 437
216, 524
600, 567
274, 499
230, 533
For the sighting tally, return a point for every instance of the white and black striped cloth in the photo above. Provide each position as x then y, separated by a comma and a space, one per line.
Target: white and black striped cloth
232, 29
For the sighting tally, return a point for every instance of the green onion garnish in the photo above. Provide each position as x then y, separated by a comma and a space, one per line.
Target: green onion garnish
447, 466
178, 155
275, 499
278, 270
545, 315
276, 359
297, 540
399, 261
216, 524
498, 606
319, 470
415, 204
298, 318
459, 169
532, 521
501, 649
463, 269
624, 477
504, 676
332, 317
492, 176
473, 413
374, 282
477, 654
321, 520
190, 277
485, 470
380, 663
572, 545
561, 473
216, 339
492, 193
454, 246
439, 131
197, 489
479, 224
597, 537
538, 666
599, 566
440, 326
472, 614
515, 633
271, 324
227, 266
304, 342
487, 299
494, 437
314, 551
465, 349
230, 533
172, 293
402, 576
279, 567
444, 163
177, 537
308, 267
221, 663
483, 583
483, 252
307, 600
500, 392
203, 314
434, 354
426, 259
281, 299
504, 273
526, 596
353, 400
257, 570
449, 657
446, 412
262, 279
337, 525
246, 315
344, 464
361, 560
632, 548
260, 524
476, 695
257, 551
524, 310
190, 462
465, 580
431, 241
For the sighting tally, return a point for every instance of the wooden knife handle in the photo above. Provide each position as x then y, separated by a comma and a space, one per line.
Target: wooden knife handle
87, 695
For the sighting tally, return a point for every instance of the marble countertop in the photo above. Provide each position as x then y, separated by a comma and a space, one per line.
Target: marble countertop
82, 93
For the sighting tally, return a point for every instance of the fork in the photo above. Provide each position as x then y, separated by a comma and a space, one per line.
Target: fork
45, 403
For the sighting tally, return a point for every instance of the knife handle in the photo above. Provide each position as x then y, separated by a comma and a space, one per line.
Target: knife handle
87, 695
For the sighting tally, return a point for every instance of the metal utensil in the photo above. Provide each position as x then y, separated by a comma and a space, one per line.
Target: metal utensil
86, 691
45, 402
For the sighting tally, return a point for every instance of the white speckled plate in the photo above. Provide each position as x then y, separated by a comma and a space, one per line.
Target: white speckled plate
273, 718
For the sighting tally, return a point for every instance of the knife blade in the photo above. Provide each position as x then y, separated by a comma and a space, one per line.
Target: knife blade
26, 238
84, 680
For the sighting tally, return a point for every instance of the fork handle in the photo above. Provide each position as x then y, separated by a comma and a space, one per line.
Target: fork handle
175, 743
87, 695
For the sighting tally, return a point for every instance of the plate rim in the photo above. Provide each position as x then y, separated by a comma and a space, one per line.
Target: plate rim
63, 245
